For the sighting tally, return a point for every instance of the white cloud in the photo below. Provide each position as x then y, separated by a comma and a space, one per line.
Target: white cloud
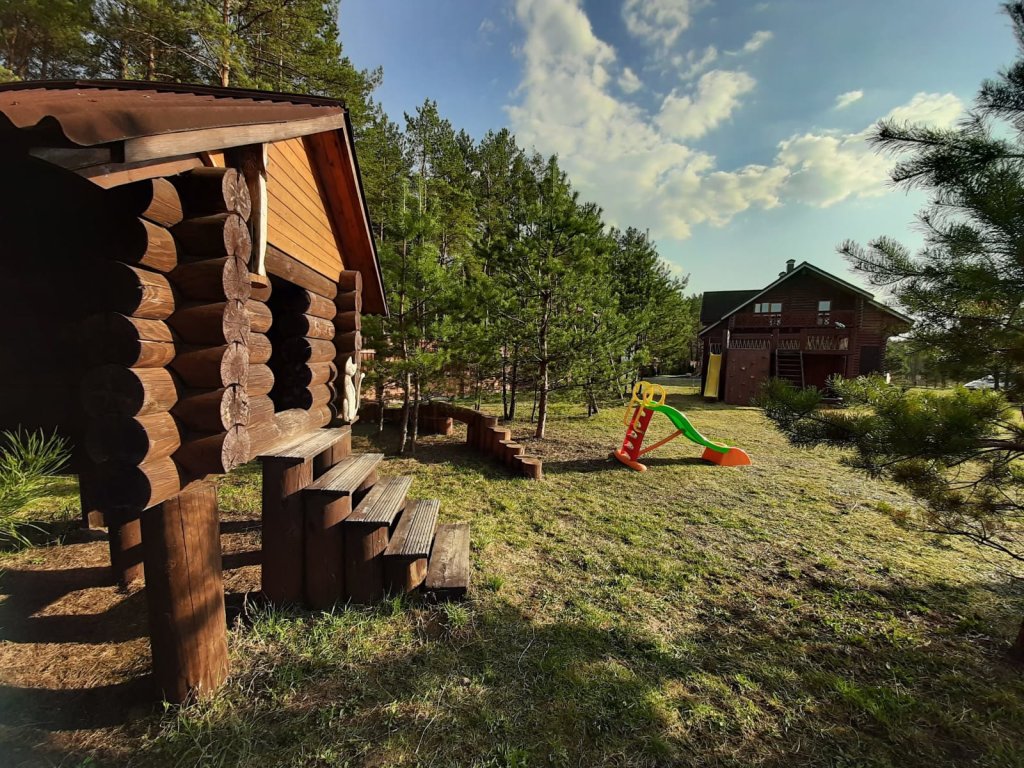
825, 169
843, 100
616, 153
629, 82
638, 165
717, 97
757, 41
694, 62
486, 27
940, 110
659, 22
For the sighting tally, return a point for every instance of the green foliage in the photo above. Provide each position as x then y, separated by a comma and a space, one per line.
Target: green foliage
966, 286
27, 462
959, 453
496, 271
283, 45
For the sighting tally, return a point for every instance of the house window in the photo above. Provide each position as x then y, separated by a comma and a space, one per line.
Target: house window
770, 309
825, 312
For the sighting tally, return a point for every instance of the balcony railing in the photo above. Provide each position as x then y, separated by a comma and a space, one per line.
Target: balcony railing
794, 319
824, 340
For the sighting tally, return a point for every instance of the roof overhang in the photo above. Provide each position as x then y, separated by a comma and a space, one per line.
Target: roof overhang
115, 132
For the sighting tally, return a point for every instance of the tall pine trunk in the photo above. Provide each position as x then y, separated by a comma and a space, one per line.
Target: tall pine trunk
415, 412
405, 412
380, 403
513, 386
504, 382
542, 405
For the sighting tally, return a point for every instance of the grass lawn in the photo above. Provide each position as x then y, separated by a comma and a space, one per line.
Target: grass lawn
691, 615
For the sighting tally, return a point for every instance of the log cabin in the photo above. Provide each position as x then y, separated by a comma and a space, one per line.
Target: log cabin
805, 327
186, 269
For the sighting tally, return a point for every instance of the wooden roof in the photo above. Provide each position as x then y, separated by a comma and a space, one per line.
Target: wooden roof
88, 113
100, 127
745, 299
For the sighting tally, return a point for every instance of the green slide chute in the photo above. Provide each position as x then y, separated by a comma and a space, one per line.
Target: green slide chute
680, 422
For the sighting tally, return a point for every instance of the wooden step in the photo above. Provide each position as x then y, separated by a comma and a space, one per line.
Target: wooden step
366, 534
328, 503
382, 505
348, 476
287, 470
448, 572
415, 531
405, 559
312, 446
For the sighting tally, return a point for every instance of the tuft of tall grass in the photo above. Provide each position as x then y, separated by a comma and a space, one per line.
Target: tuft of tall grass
28, 461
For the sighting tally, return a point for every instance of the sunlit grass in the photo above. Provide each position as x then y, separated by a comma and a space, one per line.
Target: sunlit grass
694, 614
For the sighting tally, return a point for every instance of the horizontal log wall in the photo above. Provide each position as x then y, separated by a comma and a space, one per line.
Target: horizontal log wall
168, 396
302, 340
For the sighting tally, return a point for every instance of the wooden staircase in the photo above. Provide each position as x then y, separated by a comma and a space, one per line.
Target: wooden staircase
333, 531
789, 365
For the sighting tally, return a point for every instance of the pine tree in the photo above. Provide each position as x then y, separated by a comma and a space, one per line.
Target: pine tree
960, 454
43, 39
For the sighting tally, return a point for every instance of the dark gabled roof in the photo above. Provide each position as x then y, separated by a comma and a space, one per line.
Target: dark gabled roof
870, 297
714, 304
88, 113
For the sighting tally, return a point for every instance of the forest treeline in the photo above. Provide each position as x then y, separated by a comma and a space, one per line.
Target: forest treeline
499, 277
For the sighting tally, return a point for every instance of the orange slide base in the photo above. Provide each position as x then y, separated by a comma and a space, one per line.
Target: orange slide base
634, 465
735, 457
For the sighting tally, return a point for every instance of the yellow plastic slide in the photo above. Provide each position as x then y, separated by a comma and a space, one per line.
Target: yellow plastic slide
711, 384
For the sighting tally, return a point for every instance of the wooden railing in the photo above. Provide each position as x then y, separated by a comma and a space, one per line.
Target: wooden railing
794, 319
806, 340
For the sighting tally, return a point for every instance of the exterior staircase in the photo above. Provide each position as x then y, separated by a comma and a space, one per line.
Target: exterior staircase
333, 531
789, 365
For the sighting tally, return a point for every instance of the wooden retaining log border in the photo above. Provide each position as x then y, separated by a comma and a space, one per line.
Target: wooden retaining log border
482, 433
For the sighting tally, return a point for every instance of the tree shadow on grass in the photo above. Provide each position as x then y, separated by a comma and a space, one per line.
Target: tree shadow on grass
739, 688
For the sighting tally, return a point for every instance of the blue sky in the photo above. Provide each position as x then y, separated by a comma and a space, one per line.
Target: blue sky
732, 131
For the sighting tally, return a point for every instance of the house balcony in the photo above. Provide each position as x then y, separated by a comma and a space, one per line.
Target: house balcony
841, 318
819, 341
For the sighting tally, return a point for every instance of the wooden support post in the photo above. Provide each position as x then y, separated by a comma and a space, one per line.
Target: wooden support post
364, 562
124, 535
324, 564
185, 594
283, 482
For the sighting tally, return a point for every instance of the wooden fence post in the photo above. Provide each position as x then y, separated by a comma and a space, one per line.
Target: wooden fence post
185, 594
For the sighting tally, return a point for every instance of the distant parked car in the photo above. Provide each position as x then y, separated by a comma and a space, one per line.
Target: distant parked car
985, 382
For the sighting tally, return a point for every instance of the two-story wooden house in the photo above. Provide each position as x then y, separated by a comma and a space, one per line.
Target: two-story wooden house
805, 327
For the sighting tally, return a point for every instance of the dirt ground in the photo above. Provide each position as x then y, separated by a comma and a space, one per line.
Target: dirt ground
74, 649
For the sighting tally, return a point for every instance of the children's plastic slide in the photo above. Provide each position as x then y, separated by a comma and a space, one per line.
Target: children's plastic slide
650, 399
714, 371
